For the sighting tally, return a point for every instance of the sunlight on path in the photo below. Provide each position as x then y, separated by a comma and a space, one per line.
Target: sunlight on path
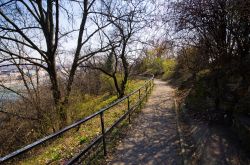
153, 138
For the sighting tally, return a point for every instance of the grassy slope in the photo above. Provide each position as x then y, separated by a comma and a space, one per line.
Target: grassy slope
67, 145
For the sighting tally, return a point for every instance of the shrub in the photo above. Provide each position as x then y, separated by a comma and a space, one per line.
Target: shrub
107, 83
168, 66
154, 66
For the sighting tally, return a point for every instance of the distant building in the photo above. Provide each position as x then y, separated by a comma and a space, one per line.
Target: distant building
5, 72
14, 74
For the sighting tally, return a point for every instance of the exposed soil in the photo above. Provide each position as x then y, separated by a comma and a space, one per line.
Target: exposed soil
153, 138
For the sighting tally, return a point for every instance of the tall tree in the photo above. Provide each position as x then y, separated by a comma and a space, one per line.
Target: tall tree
127, 19
41, 27
222, 26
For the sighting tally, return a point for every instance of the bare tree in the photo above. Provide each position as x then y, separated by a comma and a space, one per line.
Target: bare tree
223, 28
39, 28
127, 19
218, 24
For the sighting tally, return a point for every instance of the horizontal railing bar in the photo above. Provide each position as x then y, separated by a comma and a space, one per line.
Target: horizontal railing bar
135, 106
107, 131
117, 122
76, 158
45, 139
122, 117
50, 137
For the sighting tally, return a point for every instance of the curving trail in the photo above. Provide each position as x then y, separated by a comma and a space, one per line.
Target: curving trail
153, 138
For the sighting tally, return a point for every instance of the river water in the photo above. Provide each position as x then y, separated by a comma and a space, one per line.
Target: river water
6, 95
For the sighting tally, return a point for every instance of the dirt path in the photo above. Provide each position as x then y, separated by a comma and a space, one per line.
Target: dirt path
153, 138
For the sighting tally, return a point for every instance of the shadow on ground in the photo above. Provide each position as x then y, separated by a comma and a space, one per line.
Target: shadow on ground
211, 144
153, 137
205, 142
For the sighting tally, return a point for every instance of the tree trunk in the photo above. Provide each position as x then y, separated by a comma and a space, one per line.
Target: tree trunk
125, 69
77, 53
57, 96
119, 92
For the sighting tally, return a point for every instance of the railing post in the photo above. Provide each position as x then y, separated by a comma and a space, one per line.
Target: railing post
140, 98
128, 109
149, 91
103, 134
151, 85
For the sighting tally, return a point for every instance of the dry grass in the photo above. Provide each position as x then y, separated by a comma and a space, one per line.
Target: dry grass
64, 147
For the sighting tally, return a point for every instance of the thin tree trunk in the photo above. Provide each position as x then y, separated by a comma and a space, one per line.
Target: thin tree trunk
120, 95
57, 96
125, 69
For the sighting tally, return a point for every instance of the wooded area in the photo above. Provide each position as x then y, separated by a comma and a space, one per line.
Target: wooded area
57, 55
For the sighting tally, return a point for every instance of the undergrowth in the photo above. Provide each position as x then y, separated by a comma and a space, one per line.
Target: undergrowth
61, 149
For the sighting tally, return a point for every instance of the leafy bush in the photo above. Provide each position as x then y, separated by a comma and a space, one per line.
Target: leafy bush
154, 66
168, 68
157, 66
107, 83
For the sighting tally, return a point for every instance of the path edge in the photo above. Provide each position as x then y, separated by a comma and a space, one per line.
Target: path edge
181, 136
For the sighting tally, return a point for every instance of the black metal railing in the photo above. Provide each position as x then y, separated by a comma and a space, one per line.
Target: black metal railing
147, 87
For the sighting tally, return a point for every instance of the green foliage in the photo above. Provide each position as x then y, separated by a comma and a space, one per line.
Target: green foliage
133, 85
83, 139
151, 63
55, 156
68, 144
107, 83
155, 62
154, 66
158, 66
89, 105
168, 68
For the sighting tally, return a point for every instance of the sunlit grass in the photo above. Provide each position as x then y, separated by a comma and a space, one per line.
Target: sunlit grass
70, 143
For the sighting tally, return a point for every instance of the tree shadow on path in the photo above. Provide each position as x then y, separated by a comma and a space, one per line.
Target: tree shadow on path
153, 137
